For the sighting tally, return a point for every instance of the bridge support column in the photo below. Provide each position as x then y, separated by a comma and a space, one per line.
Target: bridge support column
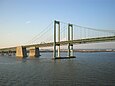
55, 44
2, 53
21, 52
34, 52
9, 53
70, 39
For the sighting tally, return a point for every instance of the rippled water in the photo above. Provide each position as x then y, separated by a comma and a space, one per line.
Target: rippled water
88, 69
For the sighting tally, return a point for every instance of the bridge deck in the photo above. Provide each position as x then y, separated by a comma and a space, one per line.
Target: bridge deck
79, 41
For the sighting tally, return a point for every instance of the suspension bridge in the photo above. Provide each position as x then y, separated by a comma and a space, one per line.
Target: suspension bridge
57, 34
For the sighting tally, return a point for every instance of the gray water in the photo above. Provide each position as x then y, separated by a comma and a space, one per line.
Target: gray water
88, 69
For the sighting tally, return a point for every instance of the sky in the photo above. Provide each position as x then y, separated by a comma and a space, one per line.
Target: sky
21, 20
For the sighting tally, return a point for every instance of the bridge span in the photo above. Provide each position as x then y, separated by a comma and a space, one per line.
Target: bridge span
34, 48
80, 41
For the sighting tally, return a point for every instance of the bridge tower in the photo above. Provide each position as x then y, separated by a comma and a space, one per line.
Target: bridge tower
57, 41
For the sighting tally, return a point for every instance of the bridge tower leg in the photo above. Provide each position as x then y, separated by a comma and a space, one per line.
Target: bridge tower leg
56, 23
21, 52
34, 52
58, 39
70, 39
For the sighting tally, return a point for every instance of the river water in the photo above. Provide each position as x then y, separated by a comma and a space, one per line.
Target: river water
88, 69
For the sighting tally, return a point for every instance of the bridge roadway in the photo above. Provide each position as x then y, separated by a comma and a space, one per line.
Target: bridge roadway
79, 41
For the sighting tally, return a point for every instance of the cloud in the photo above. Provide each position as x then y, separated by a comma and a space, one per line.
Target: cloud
28, 22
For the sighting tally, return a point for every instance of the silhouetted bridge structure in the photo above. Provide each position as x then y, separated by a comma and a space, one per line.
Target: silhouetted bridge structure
34, 48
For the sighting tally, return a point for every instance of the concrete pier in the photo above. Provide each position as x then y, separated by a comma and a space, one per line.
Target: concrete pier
21, 52
34, 52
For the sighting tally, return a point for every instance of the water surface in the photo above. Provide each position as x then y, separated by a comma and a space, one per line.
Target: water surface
88, 69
